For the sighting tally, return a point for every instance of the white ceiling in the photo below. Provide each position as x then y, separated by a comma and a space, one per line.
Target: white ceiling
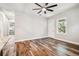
27, 8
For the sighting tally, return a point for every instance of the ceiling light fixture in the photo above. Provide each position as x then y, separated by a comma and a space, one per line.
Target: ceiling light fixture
44, 8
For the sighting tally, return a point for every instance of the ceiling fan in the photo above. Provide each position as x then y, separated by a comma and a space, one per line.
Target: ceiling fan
44, 8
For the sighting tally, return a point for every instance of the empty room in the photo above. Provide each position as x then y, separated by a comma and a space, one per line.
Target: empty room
39, 29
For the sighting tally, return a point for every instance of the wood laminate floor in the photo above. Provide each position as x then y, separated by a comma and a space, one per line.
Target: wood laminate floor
46, 47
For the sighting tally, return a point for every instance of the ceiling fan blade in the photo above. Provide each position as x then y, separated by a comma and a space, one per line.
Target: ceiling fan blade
52, 6
39, 11
38, 4
49, 10
44, 12
46, 4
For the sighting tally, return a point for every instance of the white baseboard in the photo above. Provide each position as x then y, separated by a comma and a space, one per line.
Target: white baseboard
76, 43
50, 37
30, 39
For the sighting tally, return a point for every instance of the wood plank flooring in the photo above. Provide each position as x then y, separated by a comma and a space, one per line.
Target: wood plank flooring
46, 47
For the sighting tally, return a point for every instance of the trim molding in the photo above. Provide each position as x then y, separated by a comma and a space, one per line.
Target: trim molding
48, 37
30, 38
76, 43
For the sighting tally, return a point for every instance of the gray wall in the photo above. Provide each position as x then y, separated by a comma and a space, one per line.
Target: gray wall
32, 26
29, 26
72, 17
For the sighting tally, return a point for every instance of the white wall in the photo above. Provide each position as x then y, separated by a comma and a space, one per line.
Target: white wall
72, 16
29, 26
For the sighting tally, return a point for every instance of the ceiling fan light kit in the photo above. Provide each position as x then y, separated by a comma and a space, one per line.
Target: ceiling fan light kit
44, 8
